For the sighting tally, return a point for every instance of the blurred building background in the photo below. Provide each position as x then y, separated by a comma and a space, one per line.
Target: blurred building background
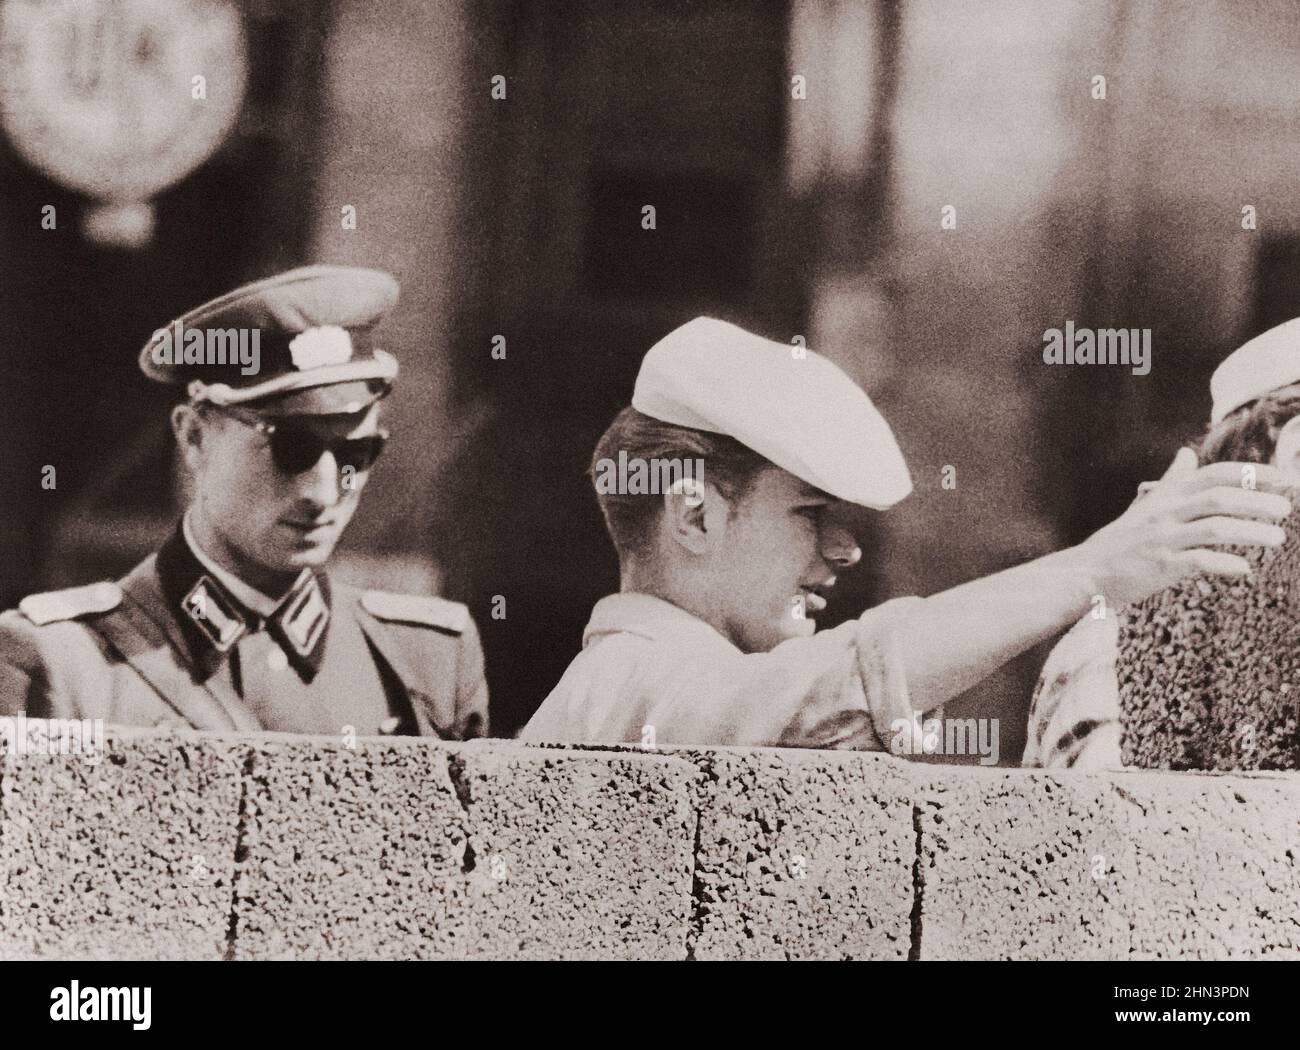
796, 207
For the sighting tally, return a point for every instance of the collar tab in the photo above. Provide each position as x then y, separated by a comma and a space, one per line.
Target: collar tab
208, 608
300, 623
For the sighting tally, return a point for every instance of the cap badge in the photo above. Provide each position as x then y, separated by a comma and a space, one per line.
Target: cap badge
320, 346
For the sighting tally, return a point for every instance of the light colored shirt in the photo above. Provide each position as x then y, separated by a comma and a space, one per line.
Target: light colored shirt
1074, 714
651, 673
249, 597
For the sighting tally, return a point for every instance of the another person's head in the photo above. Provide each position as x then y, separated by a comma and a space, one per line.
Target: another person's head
750, 455
1265, 431
279, 442
1256, 413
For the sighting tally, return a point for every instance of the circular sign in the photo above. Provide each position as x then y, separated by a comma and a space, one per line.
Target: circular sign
118, 99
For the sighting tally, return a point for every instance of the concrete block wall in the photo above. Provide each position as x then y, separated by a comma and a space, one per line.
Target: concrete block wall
266, 846
1205, 668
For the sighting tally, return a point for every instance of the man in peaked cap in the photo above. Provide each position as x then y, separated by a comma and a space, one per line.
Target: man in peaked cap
234, 623
723, 568
1255, 418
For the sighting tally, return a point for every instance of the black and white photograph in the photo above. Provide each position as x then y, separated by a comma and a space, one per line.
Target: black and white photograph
644, 481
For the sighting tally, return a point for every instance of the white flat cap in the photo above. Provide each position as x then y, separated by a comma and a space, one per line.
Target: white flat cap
801, 412
1266, 363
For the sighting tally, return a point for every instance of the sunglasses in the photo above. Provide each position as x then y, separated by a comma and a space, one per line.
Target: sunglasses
296, 448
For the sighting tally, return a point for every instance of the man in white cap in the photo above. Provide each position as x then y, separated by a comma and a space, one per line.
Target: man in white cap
710, 639
234, 623
1255, 418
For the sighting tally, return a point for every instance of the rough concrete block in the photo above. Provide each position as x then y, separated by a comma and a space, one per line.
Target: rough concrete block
1021, 865
349, 853
411, 849
185, 846
128, 858
1216, 864
803, 855
1029, 865
578, 854
1209, 670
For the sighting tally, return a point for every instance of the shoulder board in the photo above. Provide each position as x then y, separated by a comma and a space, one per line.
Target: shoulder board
416, 609
70, 604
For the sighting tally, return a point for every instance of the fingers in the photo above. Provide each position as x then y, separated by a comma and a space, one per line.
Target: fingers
1214, 563
1183, 463
1233, 502
1245, 476
1230, 532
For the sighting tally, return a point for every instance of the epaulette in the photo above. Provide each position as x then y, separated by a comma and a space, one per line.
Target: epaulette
417, 609
69, 604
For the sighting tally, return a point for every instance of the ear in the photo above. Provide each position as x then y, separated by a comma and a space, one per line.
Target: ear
187, 425
1286, 453
695, 515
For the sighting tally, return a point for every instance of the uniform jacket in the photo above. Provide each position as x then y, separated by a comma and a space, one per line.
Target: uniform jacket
168, 645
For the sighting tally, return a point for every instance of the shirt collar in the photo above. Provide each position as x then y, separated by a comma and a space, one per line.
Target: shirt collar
650, 617
249, 597
215, 609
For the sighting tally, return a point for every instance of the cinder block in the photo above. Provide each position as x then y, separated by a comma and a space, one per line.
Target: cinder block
576, 853
1217, 864
803, 855
1029, 865
128, 858
1021, 865
412, 849
417, 849
350, 853
1209, 670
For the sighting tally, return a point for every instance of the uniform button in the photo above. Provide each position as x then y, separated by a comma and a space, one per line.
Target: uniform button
275, 659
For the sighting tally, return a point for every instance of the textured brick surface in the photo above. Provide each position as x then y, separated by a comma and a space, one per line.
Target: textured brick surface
803, 855
405, 849
131, 857
1008, 866
1209, 671
1217, 864
1030, 865
179, 846
350, 853
578, 853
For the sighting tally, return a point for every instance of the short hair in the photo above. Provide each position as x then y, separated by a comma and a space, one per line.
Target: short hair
630, 518
1249, 434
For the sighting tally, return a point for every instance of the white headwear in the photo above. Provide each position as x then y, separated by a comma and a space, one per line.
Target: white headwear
790, 405
1266, 363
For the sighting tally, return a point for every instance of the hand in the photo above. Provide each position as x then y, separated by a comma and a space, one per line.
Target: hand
1166, 535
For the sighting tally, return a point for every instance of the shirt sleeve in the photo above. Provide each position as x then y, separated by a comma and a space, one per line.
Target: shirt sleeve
1074, 713
873, 701
841, 688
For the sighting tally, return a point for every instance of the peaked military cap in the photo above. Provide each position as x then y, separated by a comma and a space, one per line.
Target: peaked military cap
301, 341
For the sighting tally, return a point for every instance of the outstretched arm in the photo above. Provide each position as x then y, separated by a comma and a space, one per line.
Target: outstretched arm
954, 639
